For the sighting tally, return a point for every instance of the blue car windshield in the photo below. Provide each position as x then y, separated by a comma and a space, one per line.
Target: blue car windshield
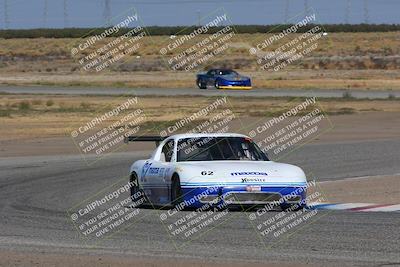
219, 148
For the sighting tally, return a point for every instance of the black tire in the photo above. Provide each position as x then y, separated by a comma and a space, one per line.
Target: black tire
201, 84
176, 191
135, 189
291, 207
216, 84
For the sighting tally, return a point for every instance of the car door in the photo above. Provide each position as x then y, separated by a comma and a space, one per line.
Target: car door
211, 76
155, 175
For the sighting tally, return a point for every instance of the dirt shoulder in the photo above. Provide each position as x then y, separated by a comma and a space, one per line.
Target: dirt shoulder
29, 136
19, 258
383, 189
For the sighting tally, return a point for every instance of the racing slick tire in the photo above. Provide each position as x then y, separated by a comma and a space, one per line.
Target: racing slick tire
176, 191
137, 194
201, 84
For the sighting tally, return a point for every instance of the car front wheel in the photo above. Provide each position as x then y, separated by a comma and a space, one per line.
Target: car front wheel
292, 207
216, 84
176, 191
137, 194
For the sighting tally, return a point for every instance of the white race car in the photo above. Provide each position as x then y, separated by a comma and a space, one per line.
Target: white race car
191, 170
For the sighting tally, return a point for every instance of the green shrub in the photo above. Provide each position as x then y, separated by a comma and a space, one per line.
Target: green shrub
49, 103
347, 95
36, 102
5, 113
24, 106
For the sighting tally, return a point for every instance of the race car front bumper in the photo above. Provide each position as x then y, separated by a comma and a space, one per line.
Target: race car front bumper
234, 84
246, 196
234, 87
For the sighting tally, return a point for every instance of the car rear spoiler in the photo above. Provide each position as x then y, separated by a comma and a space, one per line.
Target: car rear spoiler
148, 138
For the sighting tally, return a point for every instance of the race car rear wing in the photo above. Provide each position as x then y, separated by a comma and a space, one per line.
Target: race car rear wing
148, 138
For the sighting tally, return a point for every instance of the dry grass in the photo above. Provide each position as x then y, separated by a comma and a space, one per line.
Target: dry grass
336, 44
341, 60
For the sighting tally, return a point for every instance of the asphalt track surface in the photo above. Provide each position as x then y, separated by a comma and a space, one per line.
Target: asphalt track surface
359, 94
36, 192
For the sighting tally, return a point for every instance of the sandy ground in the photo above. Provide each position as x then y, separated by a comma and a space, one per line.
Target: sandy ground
373, 189
311, 79
24, 258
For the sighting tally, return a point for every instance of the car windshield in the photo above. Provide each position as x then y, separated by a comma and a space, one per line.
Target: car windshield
219, 148
227, 72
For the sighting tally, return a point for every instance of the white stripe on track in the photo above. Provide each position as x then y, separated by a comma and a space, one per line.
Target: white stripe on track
350, 206
395, 207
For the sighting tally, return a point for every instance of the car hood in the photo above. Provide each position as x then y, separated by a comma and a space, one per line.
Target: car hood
240, 172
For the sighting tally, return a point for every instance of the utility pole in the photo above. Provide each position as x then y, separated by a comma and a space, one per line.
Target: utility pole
286, 11
45, 14
366, 12
305, 7
65, 14
6, 18
198, 18
107, 13
347, 12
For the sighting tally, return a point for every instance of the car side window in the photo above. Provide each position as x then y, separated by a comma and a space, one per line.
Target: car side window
212, 72
167, 150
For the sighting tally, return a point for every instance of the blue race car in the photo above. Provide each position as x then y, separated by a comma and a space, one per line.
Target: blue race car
223, 79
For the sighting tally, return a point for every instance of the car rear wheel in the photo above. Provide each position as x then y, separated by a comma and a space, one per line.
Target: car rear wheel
201, 84
176, 191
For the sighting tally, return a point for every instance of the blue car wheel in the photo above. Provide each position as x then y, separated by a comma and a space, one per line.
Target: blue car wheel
216, 84
201, 84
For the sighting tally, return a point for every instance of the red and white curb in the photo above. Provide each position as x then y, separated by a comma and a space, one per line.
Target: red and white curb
363, 207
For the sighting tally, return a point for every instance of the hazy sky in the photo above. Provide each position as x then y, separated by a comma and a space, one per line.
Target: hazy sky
92, 13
